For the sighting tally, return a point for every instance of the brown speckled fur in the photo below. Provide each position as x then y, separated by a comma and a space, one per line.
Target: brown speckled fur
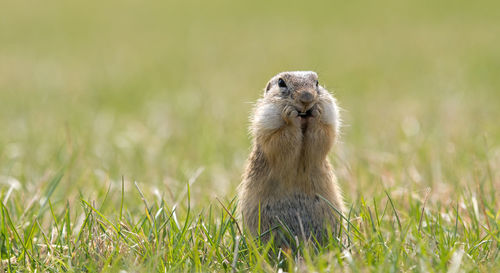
288, 166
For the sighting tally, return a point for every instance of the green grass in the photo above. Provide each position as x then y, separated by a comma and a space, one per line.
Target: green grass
123, 132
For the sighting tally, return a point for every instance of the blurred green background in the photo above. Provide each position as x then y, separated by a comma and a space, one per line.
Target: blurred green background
160, 91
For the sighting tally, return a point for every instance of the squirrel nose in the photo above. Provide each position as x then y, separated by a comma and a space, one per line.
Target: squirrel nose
306, 97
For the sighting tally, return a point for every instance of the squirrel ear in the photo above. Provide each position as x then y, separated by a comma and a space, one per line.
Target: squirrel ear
268, 87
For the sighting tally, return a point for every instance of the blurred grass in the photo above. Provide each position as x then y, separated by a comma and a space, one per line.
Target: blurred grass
157, 91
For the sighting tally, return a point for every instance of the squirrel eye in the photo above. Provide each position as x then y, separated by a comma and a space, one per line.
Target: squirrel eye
281, 83
317, 83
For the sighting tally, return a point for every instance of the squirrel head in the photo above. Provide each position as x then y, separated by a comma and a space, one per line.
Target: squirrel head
298, 88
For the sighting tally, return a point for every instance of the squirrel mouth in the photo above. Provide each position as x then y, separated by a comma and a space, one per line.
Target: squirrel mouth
304, 119
306, 114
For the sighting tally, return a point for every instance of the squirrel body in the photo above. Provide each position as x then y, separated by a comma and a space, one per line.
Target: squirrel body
288, 175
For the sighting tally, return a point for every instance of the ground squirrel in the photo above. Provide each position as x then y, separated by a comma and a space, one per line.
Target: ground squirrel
294, 126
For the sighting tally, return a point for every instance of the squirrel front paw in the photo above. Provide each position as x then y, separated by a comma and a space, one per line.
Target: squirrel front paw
316, 114
290, 114
316, 111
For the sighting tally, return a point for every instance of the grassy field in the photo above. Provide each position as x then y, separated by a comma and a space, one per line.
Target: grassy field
123, 131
